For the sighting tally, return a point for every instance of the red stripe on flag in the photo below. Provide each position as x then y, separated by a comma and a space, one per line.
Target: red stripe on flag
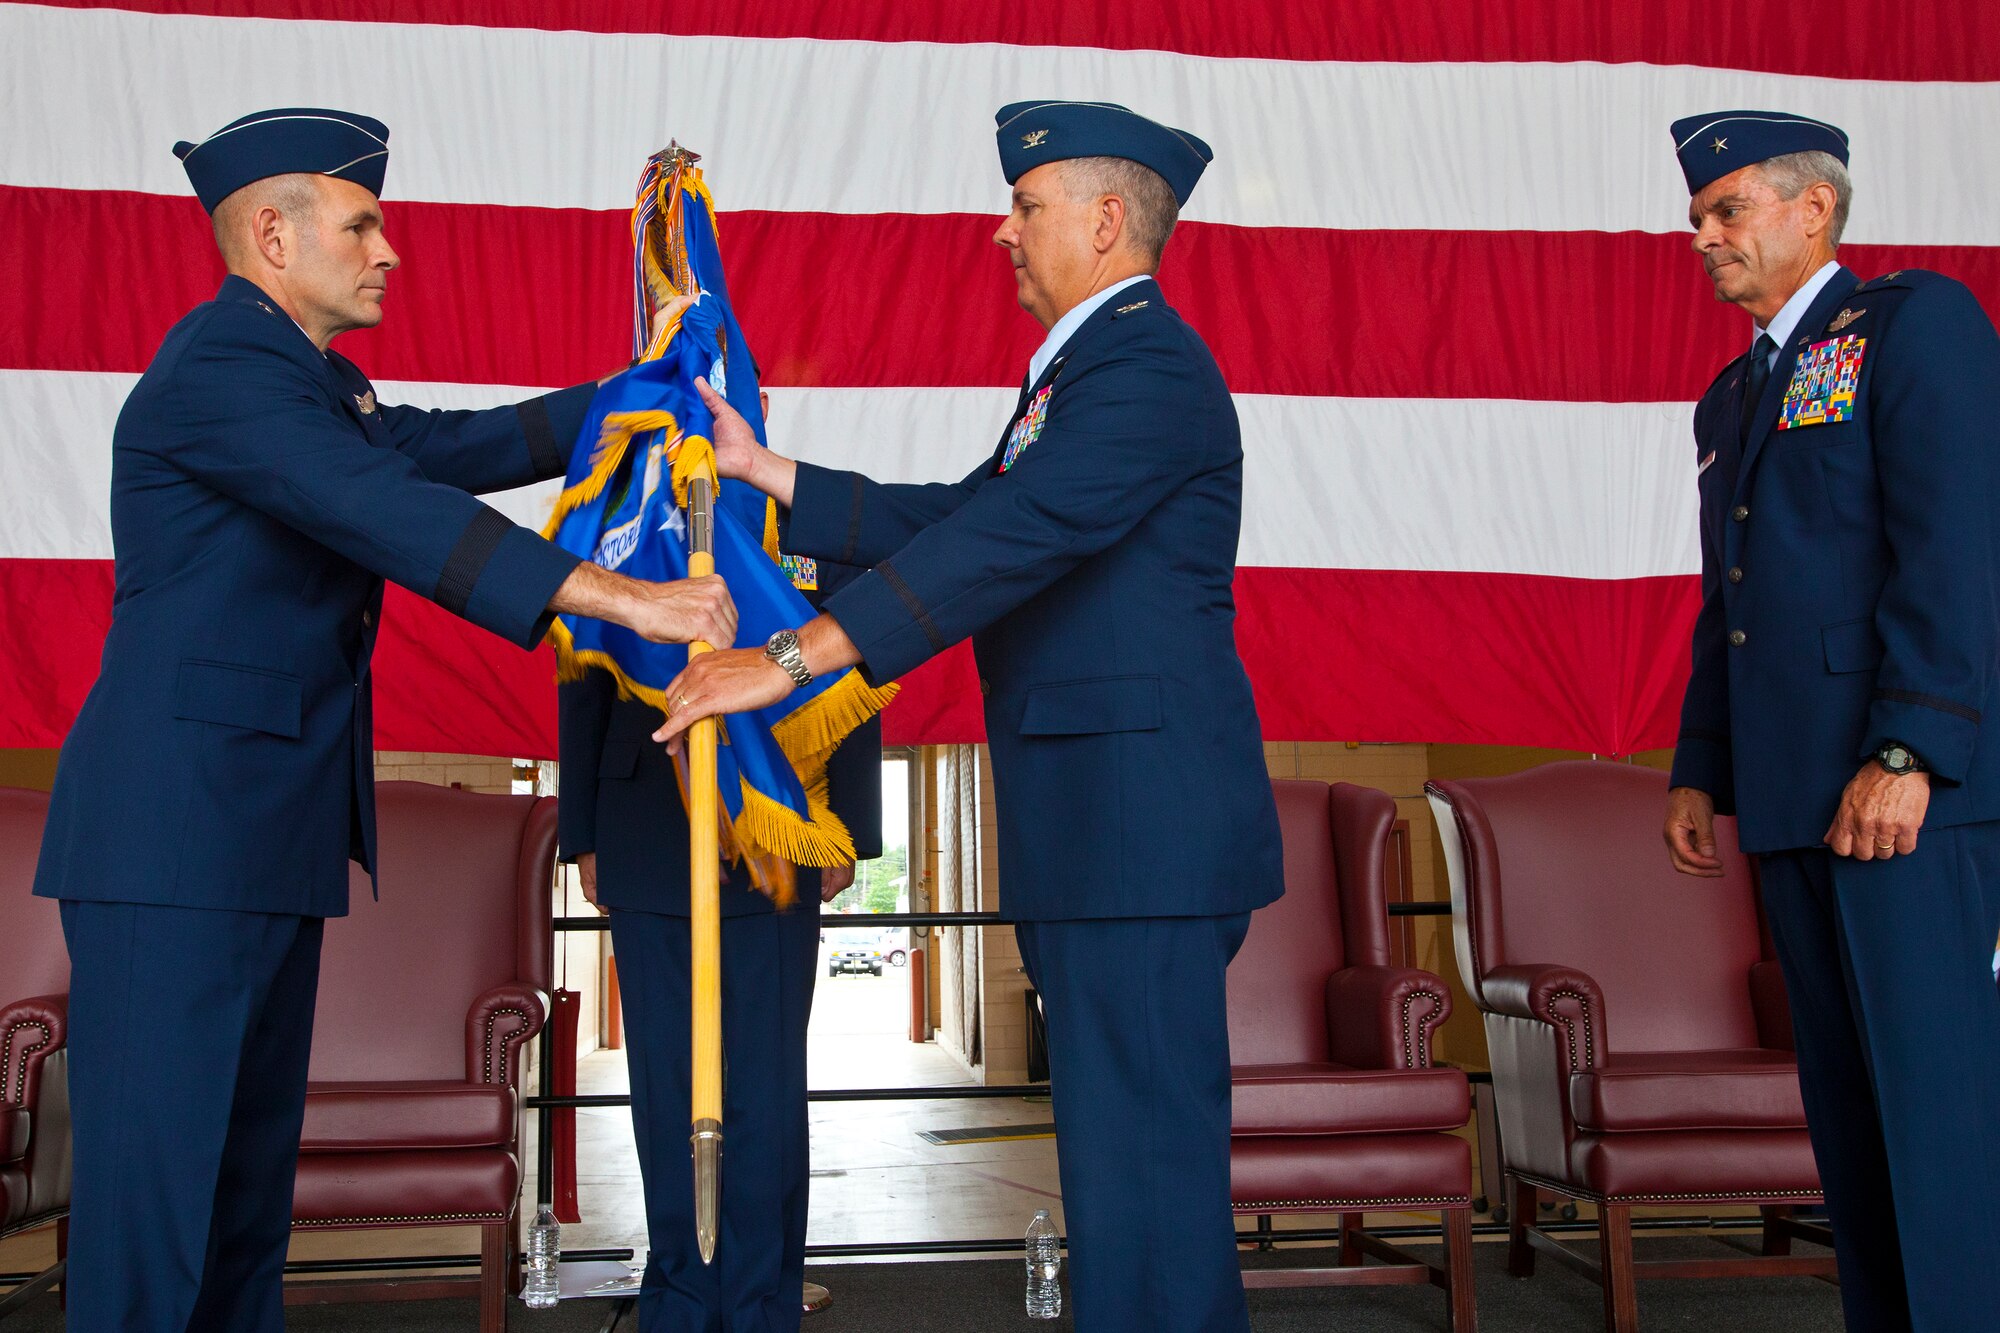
530, 296
1452, 658
1870, 39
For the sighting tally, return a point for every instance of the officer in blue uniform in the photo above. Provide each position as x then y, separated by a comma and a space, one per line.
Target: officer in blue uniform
1091, 558
624, 823
1844, 665
219, 776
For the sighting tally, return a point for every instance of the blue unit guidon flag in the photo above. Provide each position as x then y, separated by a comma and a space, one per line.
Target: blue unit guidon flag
623, 506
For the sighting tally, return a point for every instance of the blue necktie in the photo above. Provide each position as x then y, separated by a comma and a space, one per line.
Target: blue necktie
1757, 376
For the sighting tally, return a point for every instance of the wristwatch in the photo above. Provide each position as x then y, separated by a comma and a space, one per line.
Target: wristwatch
783, 648
1899, 758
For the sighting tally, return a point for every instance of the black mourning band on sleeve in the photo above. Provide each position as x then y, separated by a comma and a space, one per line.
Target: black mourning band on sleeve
916, 608
543, 451
853, 524
476, 545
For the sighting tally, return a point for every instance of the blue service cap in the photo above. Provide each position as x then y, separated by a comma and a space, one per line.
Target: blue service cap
277, 143
1032, 133
1712, 146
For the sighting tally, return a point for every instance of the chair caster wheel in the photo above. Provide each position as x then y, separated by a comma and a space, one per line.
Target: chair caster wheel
1479, 1204
1569, 1212
1500, 1214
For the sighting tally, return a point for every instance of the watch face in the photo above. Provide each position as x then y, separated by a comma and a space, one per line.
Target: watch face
1895, 758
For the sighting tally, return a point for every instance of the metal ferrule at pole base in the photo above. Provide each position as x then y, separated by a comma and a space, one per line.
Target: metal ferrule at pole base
707, 1144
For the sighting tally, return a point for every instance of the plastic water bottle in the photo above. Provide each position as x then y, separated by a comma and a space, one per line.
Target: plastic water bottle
1044, 1268
542, 1289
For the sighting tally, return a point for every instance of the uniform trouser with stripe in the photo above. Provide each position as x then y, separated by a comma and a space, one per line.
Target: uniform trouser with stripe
1888, 965
1139, 1068
189, 1035
768, 962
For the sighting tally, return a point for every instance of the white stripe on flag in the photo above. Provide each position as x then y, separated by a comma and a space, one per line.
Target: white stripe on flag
565, 119
1579, 490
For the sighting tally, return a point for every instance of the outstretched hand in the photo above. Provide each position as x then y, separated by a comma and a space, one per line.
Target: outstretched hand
685, 610
736, 446
738, 456
736, 680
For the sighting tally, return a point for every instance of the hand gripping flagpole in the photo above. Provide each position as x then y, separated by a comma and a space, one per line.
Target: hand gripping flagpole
704, 907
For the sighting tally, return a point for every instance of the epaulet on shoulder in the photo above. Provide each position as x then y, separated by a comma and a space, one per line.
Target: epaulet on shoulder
1903, 277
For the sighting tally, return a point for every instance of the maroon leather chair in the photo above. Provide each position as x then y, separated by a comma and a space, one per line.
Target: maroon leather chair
34, 1066
1337, 1107
1567, 914
426, 1000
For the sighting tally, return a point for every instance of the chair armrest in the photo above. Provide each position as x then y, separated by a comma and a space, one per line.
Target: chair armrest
1383, 1017
1772, 1006
1562, 997
497, 1025
31, 1031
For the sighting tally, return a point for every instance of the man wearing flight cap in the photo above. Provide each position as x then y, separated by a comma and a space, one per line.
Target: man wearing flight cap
220, 774
1090, 556
1843, 707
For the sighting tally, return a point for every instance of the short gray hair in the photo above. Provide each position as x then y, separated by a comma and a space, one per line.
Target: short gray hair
1794, 173
296, 195
1150, 207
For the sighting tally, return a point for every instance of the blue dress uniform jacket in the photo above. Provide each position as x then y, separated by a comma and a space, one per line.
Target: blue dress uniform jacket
1092, 560
220, 776
622, 801
259, 497
1850, 580
1095, 576
1849, 571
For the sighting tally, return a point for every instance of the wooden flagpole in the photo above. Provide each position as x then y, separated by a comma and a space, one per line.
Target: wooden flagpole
704, 910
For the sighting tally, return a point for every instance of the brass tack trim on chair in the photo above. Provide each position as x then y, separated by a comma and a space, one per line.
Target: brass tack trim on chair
507, 1043
20, 1092
1698, 1196
1417, 1054
1569, 1028
408, 1217
1371, 1205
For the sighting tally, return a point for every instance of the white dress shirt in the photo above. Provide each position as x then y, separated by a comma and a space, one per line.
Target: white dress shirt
1066, 327
1786, 321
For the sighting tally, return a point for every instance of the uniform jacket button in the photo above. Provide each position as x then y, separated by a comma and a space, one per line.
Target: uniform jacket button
1736, 574
1740, 513
1737, 638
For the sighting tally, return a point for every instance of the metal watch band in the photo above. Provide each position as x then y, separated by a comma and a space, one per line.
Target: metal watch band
783, 648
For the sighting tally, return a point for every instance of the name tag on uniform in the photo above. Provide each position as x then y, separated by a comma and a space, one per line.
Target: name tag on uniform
1823, 386
1028, 428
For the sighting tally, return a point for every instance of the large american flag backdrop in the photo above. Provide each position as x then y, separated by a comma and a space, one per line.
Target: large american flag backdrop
1441, 256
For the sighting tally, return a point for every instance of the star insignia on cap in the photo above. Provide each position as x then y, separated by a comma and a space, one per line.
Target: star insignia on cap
1843, 319
1720, 144
1033, 138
